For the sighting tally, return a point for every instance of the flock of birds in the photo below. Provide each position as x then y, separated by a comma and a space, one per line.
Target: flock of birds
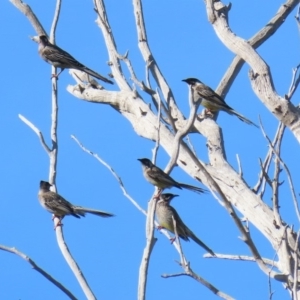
165, 213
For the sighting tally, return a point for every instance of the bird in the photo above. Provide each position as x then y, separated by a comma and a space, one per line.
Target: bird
164, 214
59, 58
60, 207
211, 100
162, 180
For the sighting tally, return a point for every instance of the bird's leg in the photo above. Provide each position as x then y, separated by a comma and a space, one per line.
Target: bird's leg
208, 112
59, 223
158, 194
56, 75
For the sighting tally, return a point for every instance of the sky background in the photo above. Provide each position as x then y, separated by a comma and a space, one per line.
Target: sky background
109, 251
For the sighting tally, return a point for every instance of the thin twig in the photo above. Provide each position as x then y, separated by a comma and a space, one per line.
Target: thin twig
240, 166
275, 182
157, 143
118, 178
287, 171
38, 132
72, 263
201, 280
107, 32
242, 258
39, 269
150, 61
180, 134
55, 20
294, 83
183, 261
133, 76
52, 172
263, 177
150, 240
189, 272
27, 11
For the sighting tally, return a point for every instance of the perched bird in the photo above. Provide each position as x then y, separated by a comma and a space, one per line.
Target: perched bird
59, 58
164, 214
162, 180
211, 100
60, 207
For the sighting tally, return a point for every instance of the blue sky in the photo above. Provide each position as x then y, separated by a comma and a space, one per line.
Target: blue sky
109, 251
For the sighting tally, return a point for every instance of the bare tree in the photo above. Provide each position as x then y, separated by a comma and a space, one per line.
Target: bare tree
167, 126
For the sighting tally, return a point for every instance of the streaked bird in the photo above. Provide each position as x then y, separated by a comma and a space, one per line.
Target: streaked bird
162, 180
211, 100
60, 207
165, 214
59, 58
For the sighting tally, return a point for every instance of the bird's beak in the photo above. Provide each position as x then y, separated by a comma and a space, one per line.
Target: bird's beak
185, 80
35, 38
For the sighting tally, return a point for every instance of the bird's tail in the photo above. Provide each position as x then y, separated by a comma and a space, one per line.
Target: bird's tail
93, 73
82, 210
200, 243
193, 188
242, 118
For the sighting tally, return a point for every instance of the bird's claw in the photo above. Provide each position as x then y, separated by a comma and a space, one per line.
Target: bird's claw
208, 112
172, 240
54, 76
157, 196
59, 223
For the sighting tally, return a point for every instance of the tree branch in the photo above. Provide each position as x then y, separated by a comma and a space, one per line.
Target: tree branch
39, 269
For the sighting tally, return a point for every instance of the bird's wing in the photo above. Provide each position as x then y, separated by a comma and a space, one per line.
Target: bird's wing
55, 54
163, 179
205, 92
180, 226
58, 204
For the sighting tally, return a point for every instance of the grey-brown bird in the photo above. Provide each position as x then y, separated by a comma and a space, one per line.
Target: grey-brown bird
162, 180
164, 214
211, 100
60, 207
59, 58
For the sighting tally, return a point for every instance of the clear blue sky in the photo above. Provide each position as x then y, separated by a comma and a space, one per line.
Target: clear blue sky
109, 250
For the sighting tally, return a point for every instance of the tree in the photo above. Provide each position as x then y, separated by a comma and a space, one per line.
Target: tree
247, 203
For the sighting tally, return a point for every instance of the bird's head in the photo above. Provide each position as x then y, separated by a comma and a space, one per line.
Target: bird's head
45, 185
43, 39
192, 81
146, 162
167, 197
